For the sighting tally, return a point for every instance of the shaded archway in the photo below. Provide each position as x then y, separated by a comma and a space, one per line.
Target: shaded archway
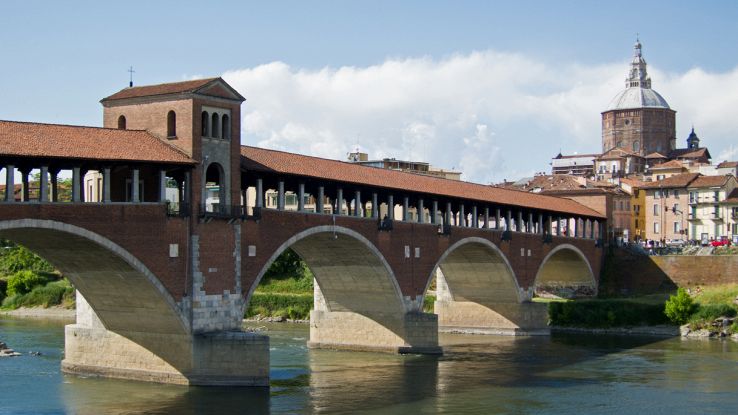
351, 274
214, 189
474, 269
477, 292
124, 294
358, 303
565, 273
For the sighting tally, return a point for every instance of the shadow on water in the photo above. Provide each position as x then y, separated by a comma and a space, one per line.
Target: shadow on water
477, 374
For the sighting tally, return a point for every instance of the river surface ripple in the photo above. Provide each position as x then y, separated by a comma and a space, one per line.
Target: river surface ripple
561, 374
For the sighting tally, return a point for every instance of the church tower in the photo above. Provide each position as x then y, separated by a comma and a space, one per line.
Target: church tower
638, 119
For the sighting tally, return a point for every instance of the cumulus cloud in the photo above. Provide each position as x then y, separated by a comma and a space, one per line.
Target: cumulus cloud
489, 114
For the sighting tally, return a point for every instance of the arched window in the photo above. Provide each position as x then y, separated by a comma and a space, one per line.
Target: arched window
636, 145
214, 191
171, 124
122, 122
226, 130
214, 126
205, 120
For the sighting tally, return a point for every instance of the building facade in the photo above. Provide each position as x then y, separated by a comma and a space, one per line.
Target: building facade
665, 206
709, 217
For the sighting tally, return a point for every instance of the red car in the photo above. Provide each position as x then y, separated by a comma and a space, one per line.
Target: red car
724, 242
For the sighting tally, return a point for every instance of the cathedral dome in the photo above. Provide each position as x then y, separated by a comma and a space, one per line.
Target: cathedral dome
638, 92
637, 97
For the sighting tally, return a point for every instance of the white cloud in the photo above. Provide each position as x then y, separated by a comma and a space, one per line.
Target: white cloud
491, 115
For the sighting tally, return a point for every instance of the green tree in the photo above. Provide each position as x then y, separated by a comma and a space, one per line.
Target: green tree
22, 282
679, 307
14, 258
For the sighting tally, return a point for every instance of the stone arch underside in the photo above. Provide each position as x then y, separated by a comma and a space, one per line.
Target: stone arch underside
477, 292
566, 273
125, 296
358, 302
350, 272
476, 271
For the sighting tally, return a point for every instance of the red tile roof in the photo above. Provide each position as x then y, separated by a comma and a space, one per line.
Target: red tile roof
655, 155
32, 140
690, 153
710, 181
671, 164
727, 164
675, 181
259, 159
160, 89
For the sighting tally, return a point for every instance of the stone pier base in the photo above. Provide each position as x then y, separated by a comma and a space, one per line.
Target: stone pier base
232, 358
405, 333
516, 319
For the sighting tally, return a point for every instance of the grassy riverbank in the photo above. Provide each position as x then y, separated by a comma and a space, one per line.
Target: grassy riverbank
701, 307
26, 280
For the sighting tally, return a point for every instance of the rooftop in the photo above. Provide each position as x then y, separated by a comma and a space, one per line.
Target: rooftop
169, 89
728, 164
711, 181
675, 181
27, 139
259, 159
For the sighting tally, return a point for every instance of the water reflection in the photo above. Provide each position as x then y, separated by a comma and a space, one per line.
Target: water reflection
109, 396
477, 374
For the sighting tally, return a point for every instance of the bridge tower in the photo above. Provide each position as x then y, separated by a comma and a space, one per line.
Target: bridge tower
201, 119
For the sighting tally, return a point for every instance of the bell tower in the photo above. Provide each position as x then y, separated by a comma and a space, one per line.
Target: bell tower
201, 118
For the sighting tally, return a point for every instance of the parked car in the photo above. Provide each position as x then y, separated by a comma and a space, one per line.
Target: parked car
723, 242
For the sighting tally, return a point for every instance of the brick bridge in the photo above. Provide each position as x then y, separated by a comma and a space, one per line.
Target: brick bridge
165, 224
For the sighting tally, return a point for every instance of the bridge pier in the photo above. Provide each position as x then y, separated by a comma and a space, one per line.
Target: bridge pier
516, 319
376, 331
501, 317
219, 358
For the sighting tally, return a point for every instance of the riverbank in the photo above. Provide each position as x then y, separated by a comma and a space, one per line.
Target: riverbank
50, 313
660, 331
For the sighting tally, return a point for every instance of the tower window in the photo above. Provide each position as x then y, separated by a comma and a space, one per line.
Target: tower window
214, 126
226, 130
171, 124
636, 146
122, 122
205, 119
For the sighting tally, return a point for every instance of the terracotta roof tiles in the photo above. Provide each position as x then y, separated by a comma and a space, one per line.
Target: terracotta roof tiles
260, 159
710, 181
728, 164
32, 140
160, 89
677, 180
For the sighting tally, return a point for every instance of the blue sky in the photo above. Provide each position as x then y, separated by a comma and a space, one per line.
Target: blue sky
492, 88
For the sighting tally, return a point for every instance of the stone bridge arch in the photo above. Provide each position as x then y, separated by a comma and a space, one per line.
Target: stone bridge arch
478, 292
358, 301
565, 272
125, 298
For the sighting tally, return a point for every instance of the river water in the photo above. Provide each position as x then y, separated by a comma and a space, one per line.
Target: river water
561, 374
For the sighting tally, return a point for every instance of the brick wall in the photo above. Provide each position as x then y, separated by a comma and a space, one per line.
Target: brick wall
629, 273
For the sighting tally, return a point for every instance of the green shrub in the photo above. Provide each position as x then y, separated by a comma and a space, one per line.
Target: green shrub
712, 311
679, 307
280, 305
54, 293
24, 281
12, 302
605, 313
